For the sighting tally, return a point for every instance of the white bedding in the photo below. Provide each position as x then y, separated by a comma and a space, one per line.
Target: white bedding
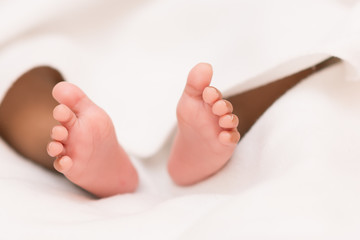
294, 175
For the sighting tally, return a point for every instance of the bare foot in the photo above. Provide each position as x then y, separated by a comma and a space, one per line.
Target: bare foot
85, 145
207, 130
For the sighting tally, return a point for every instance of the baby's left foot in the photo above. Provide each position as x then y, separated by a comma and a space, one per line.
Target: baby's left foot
207, 130
85, 144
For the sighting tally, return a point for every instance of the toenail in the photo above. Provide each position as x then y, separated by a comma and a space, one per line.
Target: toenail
49, 147
224, 103
213, 91
229, 106
210, 94
65, 163
230, 117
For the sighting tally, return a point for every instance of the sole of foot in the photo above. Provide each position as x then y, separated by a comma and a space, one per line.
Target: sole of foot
85, 145
207, 130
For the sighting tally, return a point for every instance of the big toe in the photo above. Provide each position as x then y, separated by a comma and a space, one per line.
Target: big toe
71, 96
198, 79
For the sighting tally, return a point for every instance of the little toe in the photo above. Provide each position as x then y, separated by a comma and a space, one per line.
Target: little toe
229, 121
63, 164
222, 107
210, 95
229, 137
64, 115
55, 148
70, 95
59, 133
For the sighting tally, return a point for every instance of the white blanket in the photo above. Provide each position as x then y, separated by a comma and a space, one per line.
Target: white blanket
295, 173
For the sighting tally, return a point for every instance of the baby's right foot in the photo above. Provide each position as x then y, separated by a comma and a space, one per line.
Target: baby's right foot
207, 130
85, 145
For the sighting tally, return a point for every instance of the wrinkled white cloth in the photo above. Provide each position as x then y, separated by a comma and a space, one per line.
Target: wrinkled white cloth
132, 57
295, 173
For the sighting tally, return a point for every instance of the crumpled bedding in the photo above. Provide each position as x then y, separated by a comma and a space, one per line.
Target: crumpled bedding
294, 174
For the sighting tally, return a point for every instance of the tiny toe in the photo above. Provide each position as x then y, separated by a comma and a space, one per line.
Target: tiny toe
222, 107
199, 78
228, 121
71, 96
59, 133
55, 148
211, 95
63, 164
64, 115
229, 137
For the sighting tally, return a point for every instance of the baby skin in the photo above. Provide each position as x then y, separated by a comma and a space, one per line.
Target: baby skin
88, 154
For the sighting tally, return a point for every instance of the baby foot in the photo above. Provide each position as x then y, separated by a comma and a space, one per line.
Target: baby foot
85, 145
207, 133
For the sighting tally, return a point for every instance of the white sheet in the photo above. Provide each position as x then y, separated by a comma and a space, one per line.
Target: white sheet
137, 53
294, 174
